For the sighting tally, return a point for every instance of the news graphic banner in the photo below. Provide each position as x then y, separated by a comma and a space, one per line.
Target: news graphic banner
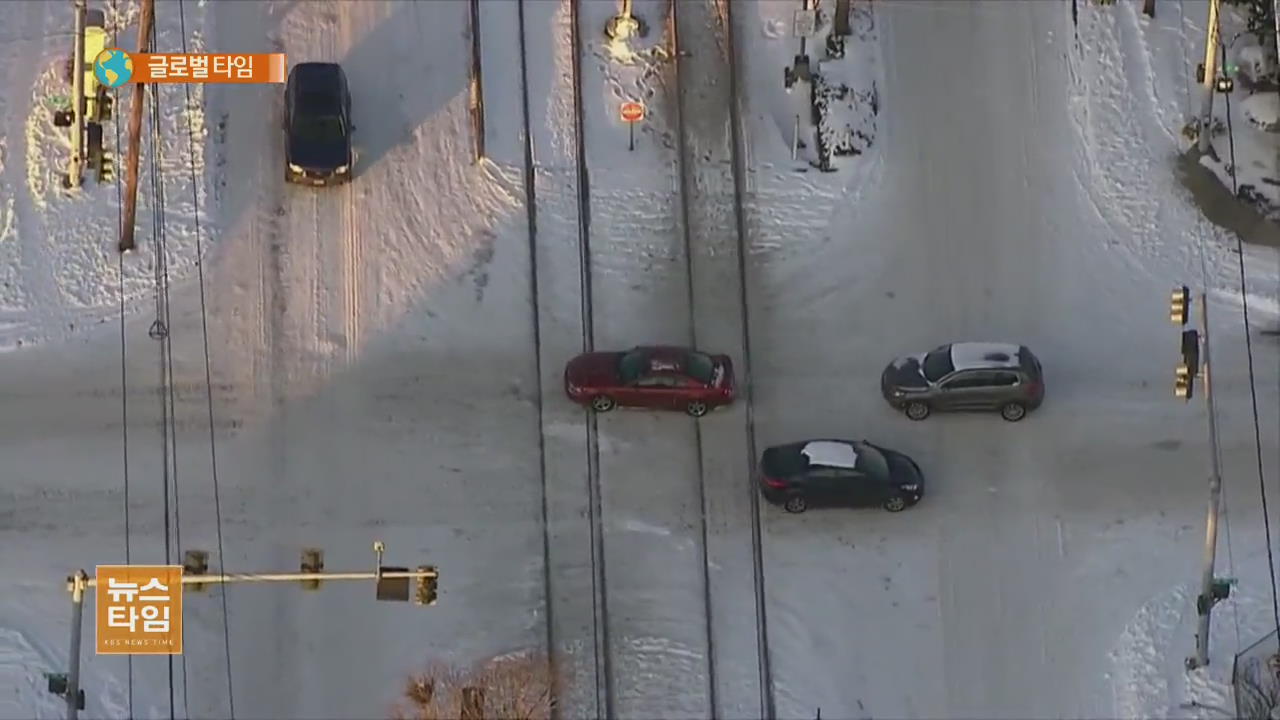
139, 609
115, 67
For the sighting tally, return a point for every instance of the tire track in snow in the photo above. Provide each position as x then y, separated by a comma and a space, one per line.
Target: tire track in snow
353, 268
1117, 120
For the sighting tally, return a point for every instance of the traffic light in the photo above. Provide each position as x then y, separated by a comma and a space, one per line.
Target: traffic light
1183, 382
1179, 305
426, 594
106, 168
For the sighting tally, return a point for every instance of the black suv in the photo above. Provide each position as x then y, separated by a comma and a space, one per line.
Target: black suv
317, 125
839, 472
966, 376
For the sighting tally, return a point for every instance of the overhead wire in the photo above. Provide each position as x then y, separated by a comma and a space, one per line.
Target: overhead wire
1248, 342
208, 373
124, 364
160, 331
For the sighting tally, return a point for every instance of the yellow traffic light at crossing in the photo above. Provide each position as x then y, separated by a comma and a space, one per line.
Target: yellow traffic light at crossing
1180, 305
1183, 382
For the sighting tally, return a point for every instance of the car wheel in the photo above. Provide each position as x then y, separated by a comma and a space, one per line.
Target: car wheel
602, 403
795, 504
1013, 412
917, 410
897, 503
697, 408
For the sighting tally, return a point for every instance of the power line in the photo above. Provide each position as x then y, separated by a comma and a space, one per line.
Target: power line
1253, 387
124, 366
160, 332
208, 373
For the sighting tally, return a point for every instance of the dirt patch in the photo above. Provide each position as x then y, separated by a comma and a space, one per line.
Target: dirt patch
1221, 207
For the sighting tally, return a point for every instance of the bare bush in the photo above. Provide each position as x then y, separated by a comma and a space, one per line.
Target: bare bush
513, 687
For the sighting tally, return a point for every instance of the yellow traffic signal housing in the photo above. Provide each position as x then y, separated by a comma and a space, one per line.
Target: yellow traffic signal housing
1179, 304
106, 168
1183, 382
426, 594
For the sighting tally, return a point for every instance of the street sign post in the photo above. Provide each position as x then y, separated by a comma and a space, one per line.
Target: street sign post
631, 113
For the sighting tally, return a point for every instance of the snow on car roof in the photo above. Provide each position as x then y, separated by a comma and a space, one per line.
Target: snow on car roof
830, 454
975, 355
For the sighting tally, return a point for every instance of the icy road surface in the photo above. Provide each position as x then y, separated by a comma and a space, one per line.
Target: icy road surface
1002, 594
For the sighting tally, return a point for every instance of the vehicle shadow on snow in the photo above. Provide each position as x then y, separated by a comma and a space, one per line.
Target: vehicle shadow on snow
397, 85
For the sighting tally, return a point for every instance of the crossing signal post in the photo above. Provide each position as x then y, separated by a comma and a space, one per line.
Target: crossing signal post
1194, 363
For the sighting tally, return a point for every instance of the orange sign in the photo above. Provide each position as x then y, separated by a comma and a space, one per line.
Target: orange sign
208, 68
632, 112
139, 609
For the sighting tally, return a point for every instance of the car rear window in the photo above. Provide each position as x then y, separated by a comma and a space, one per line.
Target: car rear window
700, 367
872, 462
784, 461
1029, 362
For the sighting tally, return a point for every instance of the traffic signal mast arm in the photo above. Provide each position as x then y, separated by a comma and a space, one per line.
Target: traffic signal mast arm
392, 583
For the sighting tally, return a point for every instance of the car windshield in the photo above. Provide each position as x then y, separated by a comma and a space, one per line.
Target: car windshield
632, 365
319, 129
937, 364
700, 367
872, 462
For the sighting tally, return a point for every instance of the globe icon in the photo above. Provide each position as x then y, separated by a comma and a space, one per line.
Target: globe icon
112, 67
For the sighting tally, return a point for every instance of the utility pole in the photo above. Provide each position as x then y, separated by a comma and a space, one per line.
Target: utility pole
145, 21
1210, 76
391, 584
75, 168
1195, 349
1275, 14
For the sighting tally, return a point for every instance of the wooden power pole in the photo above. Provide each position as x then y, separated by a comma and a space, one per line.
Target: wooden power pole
145, 22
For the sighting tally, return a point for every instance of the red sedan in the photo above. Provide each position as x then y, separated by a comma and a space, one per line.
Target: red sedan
660, 377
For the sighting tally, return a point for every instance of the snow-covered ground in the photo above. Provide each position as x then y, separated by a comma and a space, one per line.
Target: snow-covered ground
377, 374
1250, 118
61, 270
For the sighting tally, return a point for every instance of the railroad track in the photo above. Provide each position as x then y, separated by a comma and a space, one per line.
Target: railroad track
689, 167
703, 153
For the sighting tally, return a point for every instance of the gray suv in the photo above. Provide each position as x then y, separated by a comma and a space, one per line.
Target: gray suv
966, 376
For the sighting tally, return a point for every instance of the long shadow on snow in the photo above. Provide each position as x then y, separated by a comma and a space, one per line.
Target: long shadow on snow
386, 112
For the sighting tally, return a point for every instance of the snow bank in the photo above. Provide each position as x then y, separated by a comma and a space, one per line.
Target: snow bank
1148, 675
1129, 99
1262, 110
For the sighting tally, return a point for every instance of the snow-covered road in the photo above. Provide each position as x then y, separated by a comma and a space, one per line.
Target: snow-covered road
377, 376
971, 604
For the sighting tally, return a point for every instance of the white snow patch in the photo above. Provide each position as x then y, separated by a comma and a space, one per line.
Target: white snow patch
830, 454
1263, 111
1147, 672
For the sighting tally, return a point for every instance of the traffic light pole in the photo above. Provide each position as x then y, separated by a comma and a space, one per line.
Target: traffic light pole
1210, 75
1209, 595
75, 168
312, 575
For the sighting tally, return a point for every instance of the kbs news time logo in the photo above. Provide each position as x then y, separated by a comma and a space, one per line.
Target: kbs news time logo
114, 67
139, 609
